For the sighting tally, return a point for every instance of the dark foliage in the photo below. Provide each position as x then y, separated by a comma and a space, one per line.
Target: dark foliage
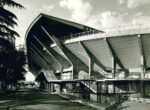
12, 67
7, 19
12, 61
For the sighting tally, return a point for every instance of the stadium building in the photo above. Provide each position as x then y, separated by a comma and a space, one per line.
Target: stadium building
93, 63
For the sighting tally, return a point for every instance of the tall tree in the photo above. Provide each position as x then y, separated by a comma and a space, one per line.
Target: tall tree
11, 64
7, 19
12, 67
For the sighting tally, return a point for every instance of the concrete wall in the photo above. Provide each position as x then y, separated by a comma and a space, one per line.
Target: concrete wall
93, 97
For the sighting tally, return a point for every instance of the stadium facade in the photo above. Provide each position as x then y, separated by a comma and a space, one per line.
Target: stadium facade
66, 53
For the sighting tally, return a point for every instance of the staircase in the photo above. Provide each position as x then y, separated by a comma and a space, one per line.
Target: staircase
92, 86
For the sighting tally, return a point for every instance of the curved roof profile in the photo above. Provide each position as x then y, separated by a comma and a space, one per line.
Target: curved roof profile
55, 26
124, 50
58, 26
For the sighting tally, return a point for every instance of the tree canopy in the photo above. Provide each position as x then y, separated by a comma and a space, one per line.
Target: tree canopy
12, 64
12, 61
8, 19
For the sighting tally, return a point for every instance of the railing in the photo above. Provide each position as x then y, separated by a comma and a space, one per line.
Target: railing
70, 77
80, 34
91, 85
119, 76
124, 27
104, 30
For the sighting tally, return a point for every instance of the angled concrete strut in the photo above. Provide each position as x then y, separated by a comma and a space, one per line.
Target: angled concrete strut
115, 57
76, 63
92, 59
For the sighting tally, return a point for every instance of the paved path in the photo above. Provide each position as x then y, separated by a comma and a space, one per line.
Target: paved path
38, 101
130, 105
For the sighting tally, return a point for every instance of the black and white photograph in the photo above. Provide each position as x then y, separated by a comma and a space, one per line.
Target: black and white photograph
74, 54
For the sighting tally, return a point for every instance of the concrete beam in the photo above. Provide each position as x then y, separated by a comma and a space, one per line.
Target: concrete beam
45, 48
39, 58
43, 56
143, 61
59, 45
55, 55
92, 59
76, 63
36, 49
36, 61
113, 67
115, 56
113, 59
33, 61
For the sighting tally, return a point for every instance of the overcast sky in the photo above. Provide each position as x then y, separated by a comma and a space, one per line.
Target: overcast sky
94, 13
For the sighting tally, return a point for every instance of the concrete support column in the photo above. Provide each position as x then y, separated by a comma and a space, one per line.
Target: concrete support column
97, 85
142, 68
71, 57
61, 72
89, 89
81, 90
99, 92
74, 72
50, 87
142, 87
61, 87
114, 55
114, 88
46, 85
129, 84
106, 87
92, 59
142, 77
91, 64
114, 67
143, 61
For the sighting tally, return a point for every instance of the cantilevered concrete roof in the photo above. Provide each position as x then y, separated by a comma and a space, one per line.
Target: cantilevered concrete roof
110, 52
57, 26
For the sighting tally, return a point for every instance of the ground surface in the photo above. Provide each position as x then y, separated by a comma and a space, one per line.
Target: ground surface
134, 105
130, 105
38, 101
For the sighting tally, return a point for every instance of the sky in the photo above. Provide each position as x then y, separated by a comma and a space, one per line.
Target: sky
94, 13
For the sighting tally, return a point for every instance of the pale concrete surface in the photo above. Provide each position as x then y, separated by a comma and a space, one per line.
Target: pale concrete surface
130, 105
135, 105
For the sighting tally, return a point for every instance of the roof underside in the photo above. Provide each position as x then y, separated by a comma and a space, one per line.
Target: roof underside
126, 45
57, 27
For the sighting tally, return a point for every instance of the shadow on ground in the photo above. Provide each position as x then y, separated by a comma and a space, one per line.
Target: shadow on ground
38, 101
